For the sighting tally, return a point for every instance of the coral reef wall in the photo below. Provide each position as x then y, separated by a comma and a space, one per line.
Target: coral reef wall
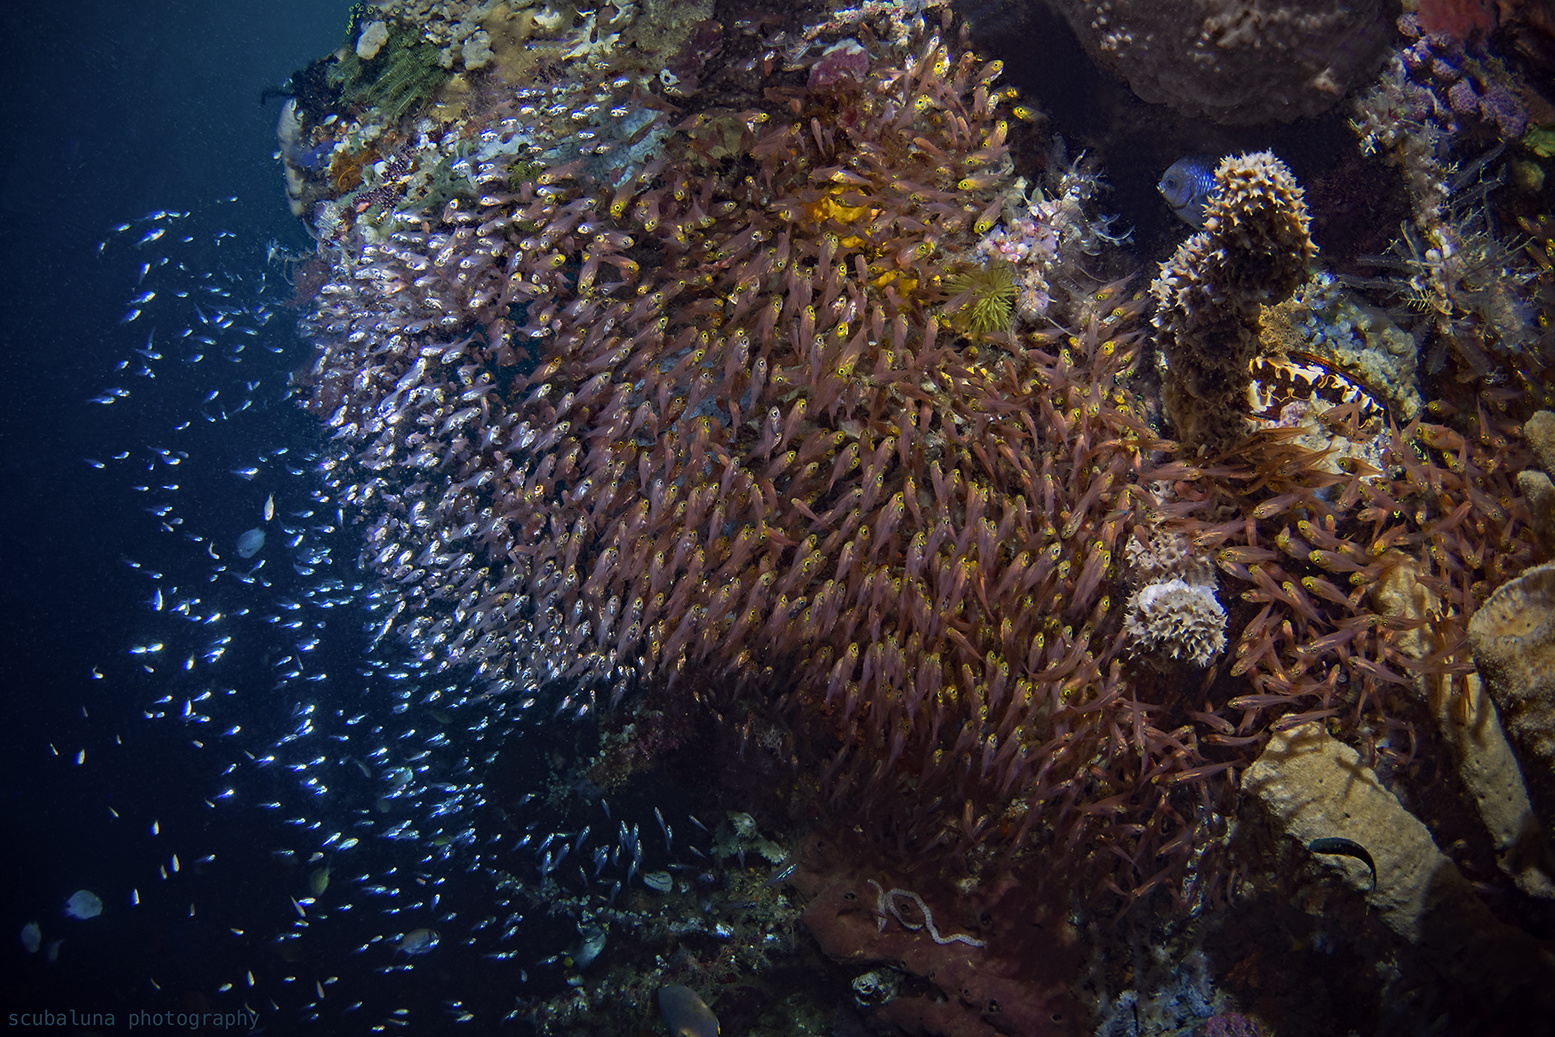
767, 406
707, 424
766, 387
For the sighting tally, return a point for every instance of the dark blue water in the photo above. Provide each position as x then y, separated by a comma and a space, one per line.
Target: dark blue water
114, 112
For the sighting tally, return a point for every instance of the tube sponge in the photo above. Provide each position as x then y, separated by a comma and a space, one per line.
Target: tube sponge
1513, 639
1252, 252
1315, 787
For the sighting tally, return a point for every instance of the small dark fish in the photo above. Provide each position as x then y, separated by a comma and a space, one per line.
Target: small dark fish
1345, 848
1187, 185
417, 941
781, 874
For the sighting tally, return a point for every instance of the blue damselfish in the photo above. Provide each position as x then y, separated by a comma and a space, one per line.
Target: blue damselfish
1187, 185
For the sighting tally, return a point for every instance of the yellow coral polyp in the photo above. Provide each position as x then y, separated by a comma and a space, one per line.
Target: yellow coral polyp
829, 207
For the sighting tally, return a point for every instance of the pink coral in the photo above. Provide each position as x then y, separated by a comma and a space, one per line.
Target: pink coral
844, 59
1458, 18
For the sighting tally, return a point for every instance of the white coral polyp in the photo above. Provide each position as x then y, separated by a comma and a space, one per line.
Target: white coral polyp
1177, 619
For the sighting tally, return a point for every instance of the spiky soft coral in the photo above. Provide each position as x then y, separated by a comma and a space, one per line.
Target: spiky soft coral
990, 297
